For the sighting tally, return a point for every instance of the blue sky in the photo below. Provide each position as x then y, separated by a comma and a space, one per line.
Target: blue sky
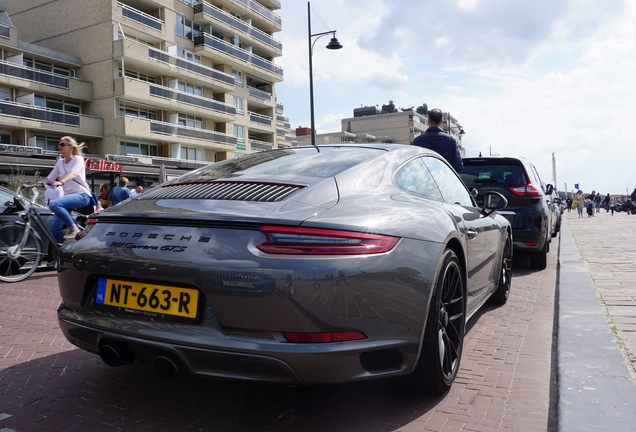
522, 77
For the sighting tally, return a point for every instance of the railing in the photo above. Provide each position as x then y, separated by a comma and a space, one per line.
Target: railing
260, 118
167, 159
261, 94
178, 130
239, 53
236, 23
191, 66
31, 74
261, 145
140, 17
262, 11
5, 31
31, 112
189, 98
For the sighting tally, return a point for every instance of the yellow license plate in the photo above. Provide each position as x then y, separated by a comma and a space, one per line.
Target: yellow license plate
148, 299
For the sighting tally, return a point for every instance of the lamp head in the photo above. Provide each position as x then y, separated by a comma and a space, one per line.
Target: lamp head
461, 132
334, 44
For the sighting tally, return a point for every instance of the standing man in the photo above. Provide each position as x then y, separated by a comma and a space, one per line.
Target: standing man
119, 193
136, 191
437, 140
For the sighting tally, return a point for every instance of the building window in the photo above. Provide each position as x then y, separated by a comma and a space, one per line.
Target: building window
238, 77
46, 142
127, 148
139, 76
190, 121
189, 88
186, 28
238, 104
132, 111
57, 104
47, 67
239, 132
188, 55
192, 154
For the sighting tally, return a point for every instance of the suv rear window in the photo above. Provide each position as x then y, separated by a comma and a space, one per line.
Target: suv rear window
500, 175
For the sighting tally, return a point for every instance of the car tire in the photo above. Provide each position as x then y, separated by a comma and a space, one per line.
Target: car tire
505, 276
556, 230
539, 260
444, 333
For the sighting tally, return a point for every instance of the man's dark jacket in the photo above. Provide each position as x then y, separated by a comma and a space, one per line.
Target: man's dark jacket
437, 140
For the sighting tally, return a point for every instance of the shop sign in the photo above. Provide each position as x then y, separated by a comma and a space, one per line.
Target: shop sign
241, 147
103, 165
122, 159
10, 148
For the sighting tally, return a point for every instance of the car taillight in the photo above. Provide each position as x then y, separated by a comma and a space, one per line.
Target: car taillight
315, 241
526, 190
323, 337
91, 221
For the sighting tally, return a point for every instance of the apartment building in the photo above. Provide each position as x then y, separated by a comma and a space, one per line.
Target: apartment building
388, 125
175, 82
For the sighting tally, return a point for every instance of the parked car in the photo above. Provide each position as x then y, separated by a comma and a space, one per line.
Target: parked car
529, 209
296, 266
557, 210
10, 213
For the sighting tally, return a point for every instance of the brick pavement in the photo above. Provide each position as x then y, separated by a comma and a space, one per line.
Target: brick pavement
507, 379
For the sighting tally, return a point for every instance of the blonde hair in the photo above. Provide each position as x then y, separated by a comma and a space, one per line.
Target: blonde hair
77, 148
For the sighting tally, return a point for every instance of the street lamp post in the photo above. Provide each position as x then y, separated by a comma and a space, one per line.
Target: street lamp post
333, 45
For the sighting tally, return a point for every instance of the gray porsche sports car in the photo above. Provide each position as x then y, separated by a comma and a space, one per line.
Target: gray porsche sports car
302, 265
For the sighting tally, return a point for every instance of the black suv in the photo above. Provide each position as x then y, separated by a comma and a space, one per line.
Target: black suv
529, 200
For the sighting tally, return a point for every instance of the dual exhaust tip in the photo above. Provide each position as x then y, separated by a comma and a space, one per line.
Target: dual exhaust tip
118, 354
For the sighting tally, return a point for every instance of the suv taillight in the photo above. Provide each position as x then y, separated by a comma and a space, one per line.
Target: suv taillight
526, 190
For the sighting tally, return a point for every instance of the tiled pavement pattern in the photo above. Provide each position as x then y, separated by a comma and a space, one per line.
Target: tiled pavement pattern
607, 245
506, 382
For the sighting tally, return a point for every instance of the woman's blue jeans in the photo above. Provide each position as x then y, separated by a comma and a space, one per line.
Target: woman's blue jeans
61, 207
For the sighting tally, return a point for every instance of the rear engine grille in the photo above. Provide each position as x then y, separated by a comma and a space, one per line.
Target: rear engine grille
234, 191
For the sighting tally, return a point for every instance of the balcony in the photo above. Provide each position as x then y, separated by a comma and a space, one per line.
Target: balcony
169, 99
238, 25
140, 17
157, 62
158, 131
261, 145
64, 85
262, 11
15, 115
260, 118
259, 94
236, 53
185, 131
191, 99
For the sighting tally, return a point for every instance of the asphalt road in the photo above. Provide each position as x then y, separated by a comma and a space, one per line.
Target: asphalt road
507, 379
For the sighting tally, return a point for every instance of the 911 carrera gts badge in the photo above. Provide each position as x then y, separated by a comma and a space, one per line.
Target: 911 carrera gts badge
165, 248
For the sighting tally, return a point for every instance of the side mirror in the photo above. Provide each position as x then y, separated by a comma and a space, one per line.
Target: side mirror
494, 201
549, 189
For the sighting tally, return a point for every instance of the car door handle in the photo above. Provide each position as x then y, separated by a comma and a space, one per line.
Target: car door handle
471, 234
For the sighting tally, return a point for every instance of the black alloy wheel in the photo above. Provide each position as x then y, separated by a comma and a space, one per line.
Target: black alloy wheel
445, 330
500, 296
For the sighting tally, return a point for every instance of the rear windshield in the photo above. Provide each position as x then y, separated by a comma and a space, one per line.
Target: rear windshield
500, 175
305, 161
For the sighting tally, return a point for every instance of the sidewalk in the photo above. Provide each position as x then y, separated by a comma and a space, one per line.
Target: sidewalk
597, 323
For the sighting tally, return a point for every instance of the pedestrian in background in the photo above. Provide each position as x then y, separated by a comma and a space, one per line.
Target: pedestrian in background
568, 204
437, 140
136, 191
597, 202
119, 193
104, 191
589, 205
606, 202
580, 202
612, 205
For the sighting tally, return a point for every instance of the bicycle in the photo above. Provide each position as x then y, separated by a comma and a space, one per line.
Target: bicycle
22, 244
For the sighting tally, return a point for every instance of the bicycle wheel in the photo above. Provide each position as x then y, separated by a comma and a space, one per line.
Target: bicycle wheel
17, 267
